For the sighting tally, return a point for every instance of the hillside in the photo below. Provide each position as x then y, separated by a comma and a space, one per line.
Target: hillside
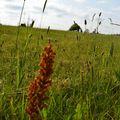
85, 81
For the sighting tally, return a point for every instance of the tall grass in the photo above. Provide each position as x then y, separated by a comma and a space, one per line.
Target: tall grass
43, 10
86, 78
19, 66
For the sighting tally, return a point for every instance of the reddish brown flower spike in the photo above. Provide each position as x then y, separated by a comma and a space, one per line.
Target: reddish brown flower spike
39, 86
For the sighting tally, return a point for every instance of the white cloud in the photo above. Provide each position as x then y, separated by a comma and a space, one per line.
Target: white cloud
103, 1
116, 9
81, 1
59, 14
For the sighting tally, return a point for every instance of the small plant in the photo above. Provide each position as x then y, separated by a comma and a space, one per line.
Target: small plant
99, 22
39, 86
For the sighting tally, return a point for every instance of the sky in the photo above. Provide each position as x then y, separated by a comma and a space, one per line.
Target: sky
60, 14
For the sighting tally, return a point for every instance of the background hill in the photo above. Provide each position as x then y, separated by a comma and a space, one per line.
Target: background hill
86, 77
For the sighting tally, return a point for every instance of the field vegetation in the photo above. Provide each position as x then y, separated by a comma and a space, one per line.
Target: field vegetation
85, 79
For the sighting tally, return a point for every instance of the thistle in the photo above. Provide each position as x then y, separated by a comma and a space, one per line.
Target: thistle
40, 85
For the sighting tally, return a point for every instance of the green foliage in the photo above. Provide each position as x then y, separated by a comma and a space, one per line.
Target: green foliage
86, 77
74, 27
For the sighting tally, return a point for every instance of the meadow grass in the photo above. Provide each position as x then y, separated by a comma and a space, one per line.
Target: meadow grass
85, 81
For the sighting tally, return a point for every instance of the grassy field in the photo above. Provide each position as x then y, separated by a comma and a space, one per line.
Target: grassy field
85, 81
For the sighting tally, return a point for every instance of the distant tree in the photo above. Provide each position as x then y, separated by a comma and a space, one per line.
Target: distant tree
75, 27
87, 31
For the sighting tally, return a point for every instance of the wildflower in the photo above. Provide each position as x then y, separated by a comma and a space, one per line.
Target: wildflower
39, 86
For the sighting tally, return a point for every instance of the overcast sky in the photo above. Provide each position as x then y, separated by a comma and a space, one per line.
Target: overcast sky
59, 14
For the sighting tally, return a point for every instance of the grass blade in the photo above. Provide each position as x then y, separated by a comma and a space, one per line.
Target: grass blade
44, 6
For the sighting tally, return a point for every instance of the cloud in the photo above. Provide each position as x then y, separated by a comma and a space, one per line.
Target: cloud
58, 11
9, 0
116, 9
13, 7
103, 1
80, 1
59, 14
37, 10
